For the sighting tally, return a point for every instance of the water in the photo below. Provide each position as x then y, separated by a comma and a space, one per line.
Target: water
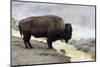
70, 50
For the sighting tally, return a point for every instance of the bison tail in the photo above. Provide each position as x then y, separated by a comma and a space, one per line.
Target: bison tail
20, 30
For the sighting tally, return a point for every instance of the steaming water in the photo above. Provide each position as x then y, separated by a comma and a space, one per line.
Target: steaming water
70, 50
83, 32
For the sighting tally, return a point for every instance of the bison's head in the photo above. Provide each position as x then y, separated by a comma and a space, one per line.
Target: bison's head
67, 32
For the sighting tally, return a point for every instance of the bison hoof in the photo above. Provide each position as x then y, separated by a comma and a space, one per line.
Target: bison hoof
50, 47
26, 47
31, 47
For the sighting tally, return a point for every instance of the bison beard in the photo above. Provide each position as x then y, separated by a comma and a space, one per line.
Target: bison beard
48, 26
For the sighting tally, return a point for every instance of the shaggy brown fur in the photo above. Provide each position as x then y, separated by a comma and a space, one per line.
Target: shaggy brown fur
49, 26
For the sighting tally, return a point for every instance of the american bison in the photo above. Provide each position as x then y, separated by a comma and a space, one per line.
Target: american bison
49, 26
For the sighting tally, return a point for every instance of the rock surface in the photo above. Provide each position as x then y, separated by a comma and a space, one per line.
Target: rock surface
40, 54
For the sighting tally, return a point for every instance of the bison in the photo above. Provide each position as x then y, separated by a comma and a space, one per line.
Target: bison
49, 26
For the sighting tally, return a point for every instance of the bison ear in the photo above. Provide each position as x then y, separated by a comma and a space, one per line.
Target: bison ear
68, 28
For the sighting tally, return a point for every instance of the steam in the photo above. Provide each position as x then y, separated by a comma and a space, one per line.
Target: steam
82, 18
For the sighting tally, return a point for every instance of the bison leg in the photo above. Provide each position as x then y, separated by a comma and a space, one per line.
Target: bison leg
30, 45
27, 40
49, 41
